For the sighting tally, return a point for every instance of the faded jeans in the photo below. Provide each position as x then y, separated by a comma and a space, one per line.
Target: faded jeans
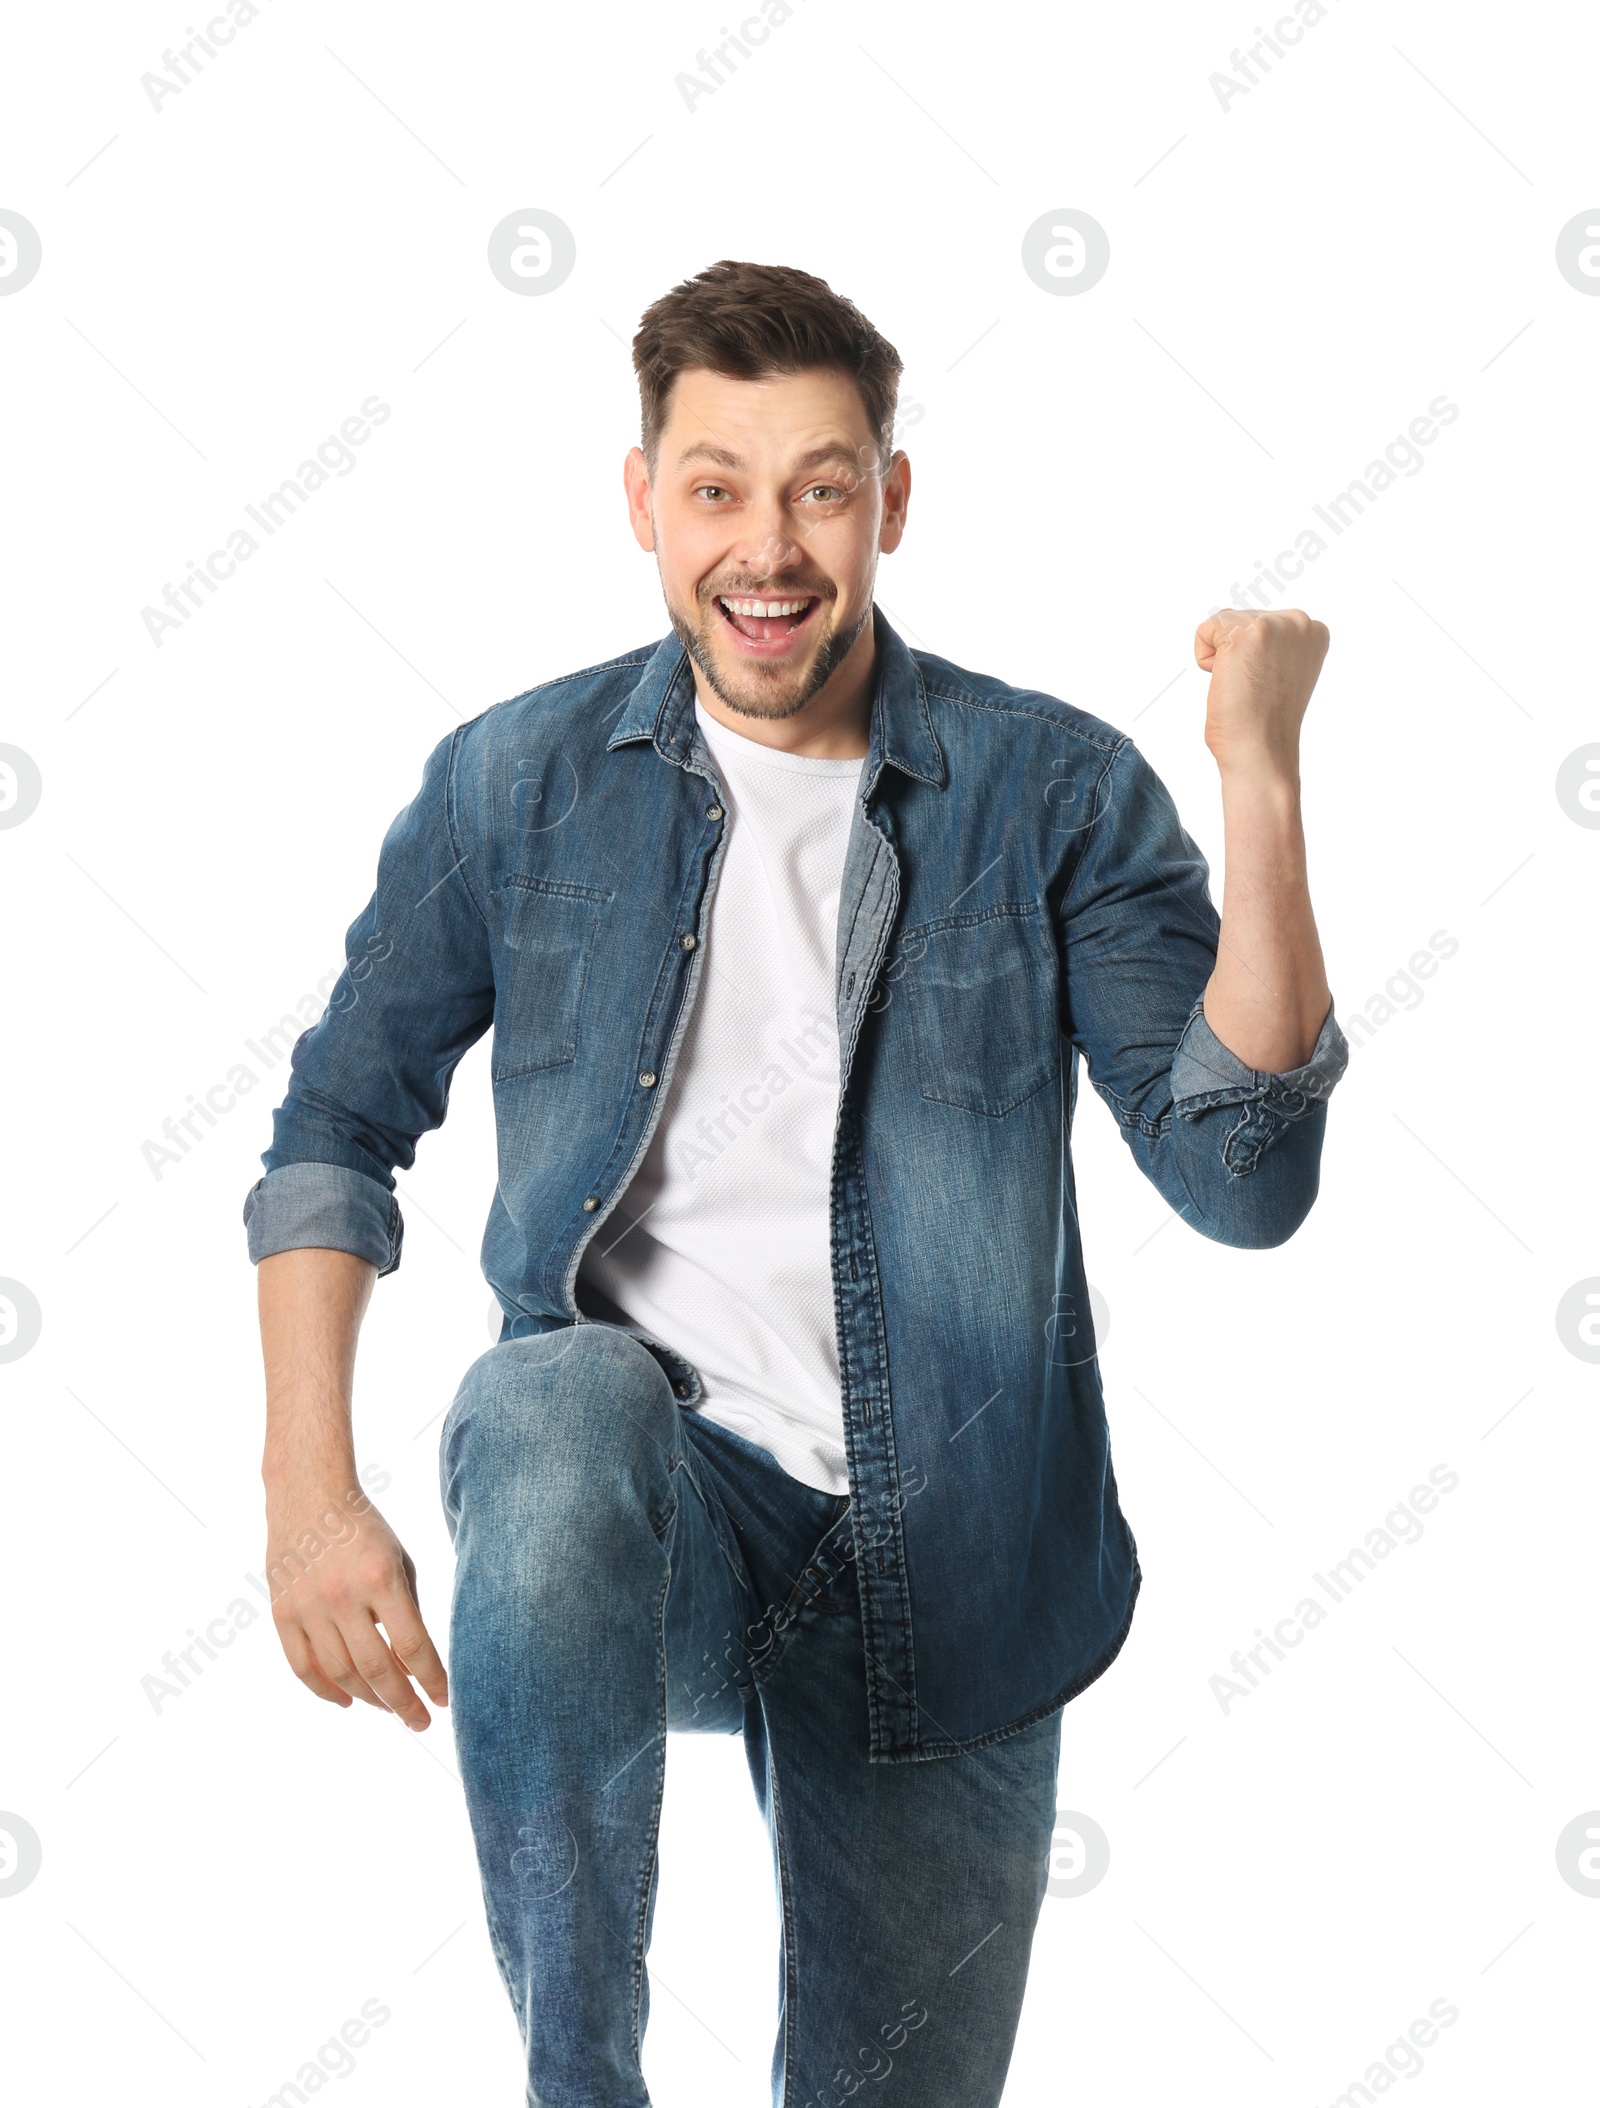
626, 1567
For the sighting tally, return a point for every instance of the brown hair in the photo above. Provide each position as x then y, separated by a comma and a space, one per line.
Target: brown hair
749, 320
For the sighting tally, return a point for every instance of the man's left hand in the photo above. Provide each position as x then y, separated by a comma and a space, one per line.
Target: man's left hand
1263, 667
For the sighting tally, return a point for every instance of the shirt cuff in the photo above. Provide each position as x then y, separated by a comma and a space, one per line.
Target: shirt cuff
327, 1206
1205, 1072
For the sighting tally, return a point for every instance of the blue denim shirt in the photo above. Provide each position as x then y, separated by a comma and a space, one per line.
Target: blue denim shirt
1018, 893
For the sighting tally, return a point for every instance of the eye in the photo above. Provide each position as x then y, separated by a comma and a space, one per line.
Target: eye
713, 489
827, 490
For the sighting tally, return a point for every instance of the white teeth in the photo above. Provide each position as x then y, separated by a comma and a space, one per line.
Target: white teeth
764, 607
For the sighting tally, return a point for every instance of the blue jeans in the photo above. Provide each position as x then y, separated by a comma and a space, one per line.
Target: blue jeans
625, 1568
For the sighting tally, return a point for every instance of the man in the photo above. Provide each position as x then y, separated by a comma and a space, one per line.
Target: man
791, 939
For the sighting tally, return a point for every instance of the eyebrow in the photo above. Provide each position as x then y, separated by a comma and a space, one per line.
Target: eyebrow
722, 457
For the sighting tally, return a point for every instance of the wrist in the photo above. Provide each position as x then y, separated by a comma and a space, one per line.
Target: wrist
1270, 781
296, 1468
312, 1512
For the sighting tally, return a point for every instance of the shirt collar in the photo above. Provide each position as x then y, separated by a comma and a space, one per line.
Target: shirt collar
661, 708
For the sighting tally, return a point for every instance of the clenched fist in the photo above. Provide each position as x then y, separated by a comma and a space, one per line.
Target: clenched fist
1263, 667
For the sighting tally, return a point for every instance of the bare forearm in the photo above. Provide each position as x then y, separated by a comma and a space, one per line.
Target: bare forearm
1268, 994
311, 1305
344, 1596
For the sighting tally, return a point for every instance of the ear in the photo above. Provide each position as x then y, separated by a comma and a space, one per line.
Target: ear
636, 482
896, 498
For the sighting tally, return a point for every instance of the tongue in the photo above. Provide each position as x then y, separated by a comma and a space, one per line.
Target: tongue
763, 629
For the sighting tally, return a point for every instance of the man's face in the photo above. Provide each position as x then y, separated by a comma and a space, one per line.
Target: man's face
766, 512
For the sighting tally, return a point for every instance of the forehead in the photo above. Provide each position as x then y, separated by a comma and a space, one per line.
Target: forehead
720, 415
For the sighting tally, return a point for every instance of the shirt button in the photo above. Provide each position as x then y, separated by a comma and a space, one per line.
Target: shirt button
647, 1079
713, 812
591, 1203
682, 1389
688, 940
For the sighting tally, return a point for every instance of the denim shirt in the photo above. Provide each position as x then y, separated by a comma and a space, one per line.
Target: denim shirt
1018, 893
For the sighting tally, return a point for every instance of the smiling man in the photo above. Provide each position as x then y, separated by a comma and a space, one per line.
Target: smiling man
782, 613
791, 940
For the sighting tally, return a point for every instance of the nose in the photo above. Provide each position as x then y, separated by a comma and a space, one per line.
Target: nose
768, 553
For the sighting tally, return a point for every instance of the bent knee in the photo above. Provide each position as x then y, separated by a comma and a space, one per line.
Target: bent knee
574, 1410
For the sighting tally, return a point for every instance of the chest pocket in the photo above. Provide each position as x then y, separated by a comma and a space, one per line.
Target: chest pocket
980, 993
549, 935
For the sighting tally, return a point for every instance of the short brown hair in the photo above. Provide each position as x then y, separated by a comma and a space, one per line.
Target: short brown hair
749, 320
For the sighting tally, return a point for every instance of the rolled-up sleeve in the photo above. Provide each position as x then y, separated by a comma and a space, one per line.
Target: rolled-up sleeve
1235, 1150
1206, 1074
326, 1205
373, 1074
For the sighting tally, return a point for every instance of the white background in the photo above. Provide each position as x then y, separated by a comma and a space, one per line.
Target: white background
1292, 280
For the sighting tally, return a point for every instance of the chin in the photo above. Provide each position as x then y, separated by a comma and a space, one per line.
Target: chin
751, 688
763, 692
770, 690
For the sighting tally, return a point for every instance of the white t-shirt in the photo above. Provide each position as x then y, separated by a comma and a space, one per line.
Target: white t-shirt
721, 1246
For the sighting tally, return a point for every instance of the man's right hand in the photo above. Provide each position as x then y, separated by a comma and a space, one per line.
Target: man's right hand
336, 1570
337, 1573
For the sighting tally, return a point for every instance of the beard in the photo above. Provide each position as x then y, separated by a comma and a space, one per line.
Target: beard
767, 692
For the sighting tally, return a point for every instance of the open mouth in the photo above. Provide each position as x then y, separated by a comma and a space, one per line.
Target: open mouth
767, 624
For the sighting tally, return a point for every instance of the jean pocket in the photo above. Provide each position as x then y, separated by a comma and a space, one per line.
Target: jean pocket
981, 996
548, 937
